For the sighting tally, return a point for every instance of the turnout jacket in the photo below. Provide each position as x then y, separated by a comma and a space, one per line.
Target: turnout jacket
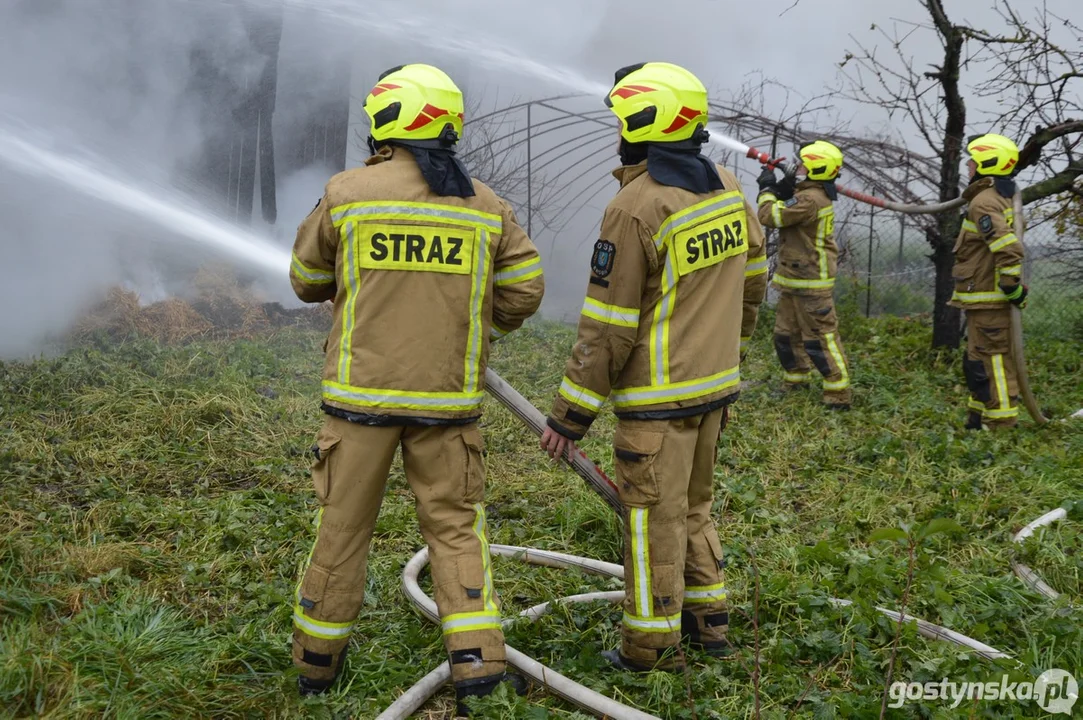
420, 282
807, 254
988, 255
676, 281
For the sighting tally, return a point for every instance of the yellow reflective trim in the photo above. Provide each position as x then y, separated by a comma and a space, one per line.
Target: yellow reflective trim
1001, 382
792, 377
756, 267
973, 404
998, 245
1001, 414
415, 211
641, 565
495, 332
824, 227
518, 273
776, 212
1011, 270
312, 276
352, 271
653, 624
486, 558
663, 311
579, 395
766, 197
478, 284
470, 622
611, 314
693, 214
319, 629
401, 399
840, 362
784, 281
1009, 216
979, 297
704, 593
671, 392
970, 227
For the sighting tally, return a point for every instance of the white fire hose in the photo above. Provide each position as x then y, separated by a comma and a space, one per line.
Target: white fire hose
571, 691
1028, 576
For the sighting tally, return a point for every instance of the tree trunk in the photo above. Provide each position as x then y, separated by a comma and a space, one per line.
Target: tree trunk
945, 318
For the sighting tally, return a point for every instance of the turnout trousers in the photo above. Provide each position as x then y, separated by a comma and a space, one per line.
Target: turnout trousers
446, 472
989, 369
673, 563
807, 335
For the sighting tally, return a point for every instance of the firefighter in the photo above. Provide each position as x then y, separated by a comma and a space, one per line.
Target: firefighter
806, 327
987, 273
667, 304
424, 265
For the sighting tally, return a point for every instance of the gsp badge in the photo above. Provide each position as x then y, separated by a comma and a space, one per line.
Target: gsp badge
985, 224
791, 202
601, 262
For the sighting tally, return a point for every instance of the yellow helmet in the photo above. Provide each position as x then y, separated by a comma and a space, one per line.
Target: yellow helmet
415, 103
822, 160
658, 102
993, 154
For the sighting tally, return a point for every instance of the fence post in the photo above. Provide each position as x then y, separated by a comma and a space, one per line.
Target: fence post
868, 286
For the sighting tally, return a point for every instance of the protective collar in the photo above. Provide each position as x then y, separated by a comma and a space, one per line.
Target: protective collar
445, 173
828, 186
1004, 185
682, 165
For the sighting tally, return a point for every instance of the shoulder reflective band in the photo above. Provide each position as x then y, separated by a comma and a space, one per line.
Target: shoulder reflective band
784, 281
756, 267
518, 273
401, 399
970, 227
312, 276
671, 392
580, 395
470, 622
998, 245
979, 297
696, 594
416, 212
694, 214
611, 314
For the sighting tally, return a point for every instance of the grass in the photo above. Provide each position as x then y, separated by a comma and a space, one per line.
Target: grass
155, 509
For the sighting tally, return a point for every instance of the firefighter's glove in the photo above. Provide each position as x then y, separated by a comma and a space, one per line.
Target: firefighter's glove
784, 189
1017, 296
767, 180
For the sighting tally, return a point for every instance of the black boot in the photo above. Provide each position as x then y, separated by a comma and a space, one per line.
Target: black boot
306, 686
973, 421
690, 630
617, 659
480, 687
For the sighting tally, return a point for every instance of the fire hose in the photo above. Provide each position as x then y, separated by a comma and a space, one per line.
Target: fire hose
558, 684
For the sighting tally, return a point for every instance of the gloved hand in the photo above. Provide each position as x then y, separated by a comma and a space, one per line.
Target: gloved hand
767, 179
1017, 296
785, 188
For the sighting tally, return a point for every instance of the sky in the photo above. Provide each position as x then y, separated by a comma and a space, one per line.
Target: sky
111, 83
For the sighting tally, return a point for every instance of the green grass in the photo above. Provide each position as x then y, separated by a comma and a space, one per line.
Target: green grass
155, 509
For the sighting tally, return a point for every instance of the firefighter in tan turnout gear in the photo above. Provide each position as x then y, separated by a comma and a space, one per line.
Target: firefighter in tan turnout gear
806, 327
987, 272
659, 336
424, 266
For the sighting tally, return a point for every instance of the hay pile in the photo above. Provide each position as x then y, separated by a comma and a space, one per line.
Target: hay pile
219, 308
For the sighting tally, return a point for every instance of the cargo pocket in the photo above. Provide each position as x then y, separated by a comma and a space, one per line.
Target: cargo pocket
474, 471
664, 589
636, 452
326, 442
993, 339
716, 547
313, 587
472, 580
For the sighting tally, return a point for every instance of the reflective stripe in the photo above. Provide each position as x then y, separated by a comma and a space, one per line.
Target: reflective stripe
495, 333
486, 559
641, 566
756, 267
766, 197
580, 395
998, 245
478, 285
470, 622
704, 593
784, 281
792, 377
969, 226
1011, 270
659, 342
670, 392
318, 628
402, 399
312, 276
825, 227
840, 363
1001, 380
695, 214
353, 282
518, 273
417, 210
611, 314
776, 212
973, 404
652, 624
980, 297
744, 343
1001, 414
